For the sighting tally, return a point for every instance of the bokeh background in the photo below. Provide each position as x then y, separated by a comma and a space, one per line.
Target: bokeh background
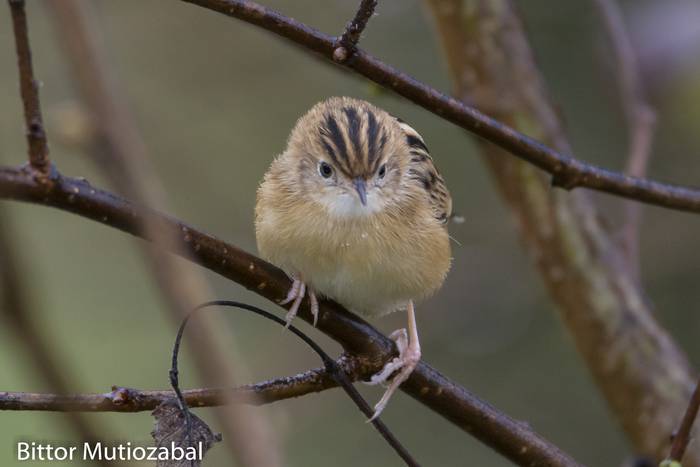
215, 99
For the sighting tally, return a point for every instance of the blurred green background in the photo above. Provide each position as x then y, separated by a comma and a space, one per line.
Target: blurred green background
215, 99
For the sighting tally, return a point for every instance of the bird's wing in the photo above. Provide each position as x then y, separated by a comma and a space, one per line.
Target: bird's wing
423, 169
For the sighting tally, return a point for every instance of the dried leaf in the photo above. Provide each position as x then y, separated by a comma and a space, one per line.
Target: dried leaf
172, 440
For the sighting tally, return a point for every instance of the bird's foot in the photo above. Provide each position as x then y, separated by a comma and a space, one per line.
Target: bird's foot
295, 295
405, 363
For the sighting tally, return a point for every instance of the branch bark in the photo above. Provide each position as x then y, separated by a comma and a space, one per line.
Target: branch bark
357, 337
643, 375
565, 171
29, 90
122, 399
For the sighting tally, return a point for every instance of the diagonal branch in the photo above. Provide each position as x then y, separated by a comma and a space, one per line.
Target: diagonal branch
427, 385
604, 308
566, 172
29, 90
682, 437
126, 164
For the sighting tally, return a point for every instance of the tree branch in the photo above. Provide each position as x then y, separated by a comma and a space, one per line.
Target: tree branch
29, 90
566, 172
125, 162
347, 44
600, 302
122, 399
428, 386
681, 437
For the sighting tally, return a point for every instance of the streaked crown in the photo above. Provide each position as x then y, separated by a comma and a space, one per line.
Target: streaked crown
355, 135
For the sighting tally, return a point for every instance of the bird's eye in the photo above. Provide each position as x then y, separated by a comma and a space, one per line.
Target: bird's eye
382, 171
325, 169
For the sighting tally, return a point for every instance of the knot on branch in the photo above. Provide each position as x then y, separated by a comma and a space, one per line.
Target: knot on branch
123, 396
346, 45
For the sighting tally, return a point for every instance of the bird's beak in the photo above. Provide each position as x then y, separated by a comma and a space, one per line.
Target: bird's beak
361, 190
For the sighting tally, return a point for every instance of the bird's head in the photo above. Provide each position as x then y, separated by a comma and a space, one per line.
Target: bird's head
352, 157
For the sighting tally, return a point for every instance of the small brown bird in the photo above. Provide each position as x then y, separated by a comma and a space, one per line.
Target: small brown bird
355, 210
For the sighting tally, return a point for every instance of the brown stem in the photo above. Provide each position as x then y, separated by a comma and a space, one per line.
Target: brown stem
353, 30
428, 386
29, 90
681, 437
566, 172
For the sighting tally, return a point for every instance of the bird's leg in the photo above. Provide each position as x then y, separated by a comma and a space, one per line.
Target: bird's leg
313, 302
296, 294
405, 363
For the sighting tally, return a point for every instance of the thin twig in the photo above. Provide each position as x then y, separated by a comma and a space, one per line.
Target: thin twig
248, 435
330, 366
29, 90
640, 117
566, 172
509, 437
347, 44
128, 400
682, 436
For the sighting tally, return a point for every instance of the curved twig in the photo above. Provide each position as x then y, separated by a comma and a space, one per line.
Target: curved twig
566, 172
330, 366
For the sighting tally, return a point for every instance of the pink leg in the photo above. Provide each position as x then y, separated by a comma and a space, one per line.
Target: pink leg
405, 363
314, 305
296, 294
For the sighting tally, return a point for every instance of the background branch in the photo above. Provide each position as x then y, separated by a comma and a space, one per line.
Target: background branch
600, 302
16, 311
122, 156
640, 117
566, 171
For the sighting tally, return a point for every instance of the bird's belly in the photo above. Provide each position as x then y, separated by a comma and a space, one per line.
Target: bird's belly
366, 272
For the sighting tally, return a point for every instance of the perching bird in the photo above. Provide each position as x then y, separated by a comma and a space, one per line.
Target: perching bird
355, 210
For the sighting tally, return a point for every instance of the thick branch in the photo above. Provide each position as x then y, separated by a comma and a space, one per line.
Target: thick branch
601, 303
566, 171
428, 386
29, 90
